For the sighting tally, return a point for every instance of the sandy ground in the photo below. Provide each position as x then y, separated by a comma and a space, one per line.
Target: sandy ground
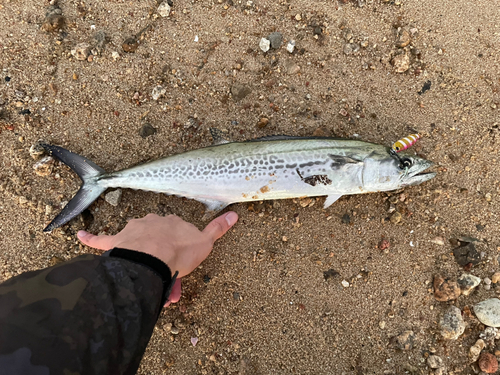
260, 305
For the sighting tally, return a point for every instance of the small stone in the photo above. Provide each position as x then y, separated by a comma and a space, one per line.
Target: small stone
115, 55
174, 331
23, 200
466, 254
290, 46
396, 217
194, 340
304, 202
475, 350
239, 91
44, 166
164, 9
275, 40
346, 219
48, 210
298, 17
404, 341
488, 312
284, 238
147, 130
404, 39
158, 92
495, 278
167, 327
236, 296
487, 281
262, 122
488, 363
113, 197
292, 69
364, 44
130, 45
452, 324
412, 370
467, 283
351, 48
381, 324
384, 244
36, 151
435, 361
81, 51
264, 44
53, 22
345, 283
347, 34
438, 241
445, 289
401, 63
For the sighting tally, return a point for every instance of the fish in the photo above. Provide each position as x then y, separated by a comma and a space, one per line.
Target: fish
272, 167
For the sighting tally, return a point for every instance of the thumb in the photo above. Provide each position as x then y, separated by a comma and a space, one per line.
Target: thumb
102, 242
219, 226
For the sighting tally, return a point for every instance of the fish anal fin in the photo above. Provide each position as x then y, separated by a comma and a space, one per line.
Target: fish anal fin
212, 207
331, 199
218, 137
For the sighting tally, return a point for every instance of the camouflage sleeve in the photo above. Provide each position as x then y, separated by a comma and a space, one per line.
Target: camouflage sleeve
90, 315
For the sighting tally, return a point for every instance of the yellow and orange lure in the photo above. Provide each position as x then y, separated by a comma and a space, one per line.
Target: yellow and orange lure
405, 143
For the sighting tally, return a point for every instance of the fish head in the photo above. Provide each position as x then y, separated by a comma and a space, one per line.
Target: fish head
391, 172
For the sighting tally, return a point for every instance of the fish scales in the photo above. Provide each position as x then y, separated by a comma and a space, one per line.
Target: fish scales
273, 168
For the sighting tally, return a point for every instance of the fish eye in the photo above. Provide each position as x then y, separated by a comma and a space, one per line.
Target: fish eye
405, 163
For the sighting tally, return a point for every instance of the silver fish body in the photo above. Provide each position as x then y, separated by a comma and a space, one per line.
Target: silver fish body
270, 168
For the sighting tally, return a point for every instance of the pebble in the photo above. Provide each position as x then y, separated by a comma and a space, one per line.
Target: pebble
404, 39
292, 69
158, 92
452, 324
262, 122
467, 283
488, 312
401, 63
115, 55
81, 51
466, 254
475, 350
113, 197
130, 45
290, 46
404, 341
351, 48
264, 44
381, 324
495, 278
147, 130
396, 217
194, 340
435, 361
53, 22
44, 166
164, 9
239, 91
445, 289
174, 331
347, 34
438, 241
167, 327
345, 283
440, 371
488, 363
36, 151
275, 40
331, 273
487, 281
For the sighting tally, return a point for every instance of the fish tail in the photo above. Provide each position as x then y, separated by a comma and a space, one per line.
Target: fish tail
89, 191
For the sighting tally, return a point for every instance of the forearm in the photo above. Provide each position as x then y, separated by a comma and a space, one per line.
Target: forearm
93, 314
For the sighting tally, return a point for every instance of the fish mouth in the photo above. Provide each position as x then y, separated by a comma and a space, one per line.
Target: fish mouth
417, 175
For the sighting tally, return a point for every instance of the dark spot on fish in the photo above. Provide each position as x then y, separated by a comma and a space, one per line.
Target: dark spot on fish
198, 173
310, 164
237, 163
261, 162
139, 174
256, 162
279, 167
231, 166
316, 179
291, 165
206, 172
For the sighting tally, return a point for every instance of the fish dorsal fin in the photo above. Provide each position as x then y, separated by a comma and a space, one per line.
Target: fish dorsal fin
218, 137
331, 199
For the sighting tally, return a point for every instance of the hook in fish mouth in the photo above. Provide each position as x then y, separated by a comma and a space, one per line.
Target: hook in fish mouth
416, 174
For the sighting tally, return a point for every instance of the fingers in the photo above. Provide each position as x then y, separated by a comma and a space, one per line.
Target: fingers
219, 226
175, 294
102, 242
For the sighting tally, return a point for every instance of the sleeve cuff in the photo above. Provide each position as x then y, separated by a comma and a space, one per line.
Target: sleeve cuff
151, 262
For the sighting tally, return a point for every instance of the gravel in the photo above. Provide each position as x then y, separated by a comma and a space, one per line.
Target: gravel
468, 283
488, 312
452, 324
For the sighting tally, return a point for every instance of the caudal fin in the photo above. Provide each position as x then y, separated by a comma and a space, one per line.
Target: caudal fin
89, 191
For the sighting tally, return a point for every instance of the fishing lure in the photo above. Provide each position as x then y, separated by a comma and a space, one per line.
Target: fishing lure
405, 143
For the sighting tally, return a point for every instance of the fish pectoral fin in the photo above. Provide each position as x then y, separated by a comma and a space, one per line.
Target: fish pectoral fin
212, 207
331, 199
218, 137
340, 160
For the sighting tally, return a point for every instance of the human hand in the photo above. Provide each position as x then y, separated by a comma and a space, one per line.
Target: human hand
177, 243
